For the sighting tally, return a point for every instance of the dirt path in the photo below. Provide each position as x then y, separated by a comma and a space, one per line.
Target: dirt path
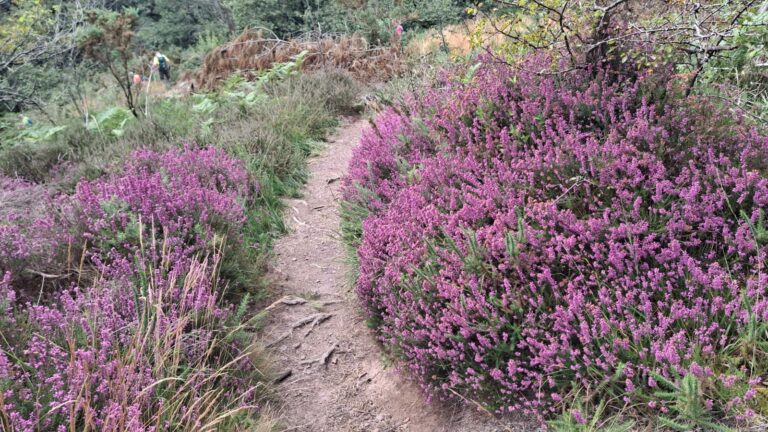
338, 378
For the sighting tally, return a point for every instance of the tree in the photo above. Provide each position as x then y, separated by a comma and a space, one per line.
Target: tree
38, 50
284, 17
687, 34
181, 22
108, 40
30, 35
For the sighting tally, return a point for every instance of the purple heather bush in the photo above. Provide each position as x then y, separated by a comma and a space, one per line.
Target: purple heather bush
529, 237
35, 228
150, 344
188, 196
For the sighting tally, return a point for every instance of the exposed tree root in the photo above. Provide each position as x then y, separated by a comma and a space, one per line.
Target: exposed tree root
286, 300
323, 359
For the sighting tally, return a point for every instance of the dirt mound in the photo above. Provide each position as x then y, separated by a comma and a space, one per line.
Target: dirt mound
254, 51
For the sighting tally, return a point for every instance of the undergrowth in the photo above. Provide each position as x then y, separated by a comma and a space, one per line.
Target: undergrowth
131, 254
573, 246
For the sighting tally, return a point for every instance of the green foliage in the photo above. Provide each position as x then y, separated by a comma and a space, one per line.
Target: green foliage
193, 57
26, 18
284, 17
35, 38
686, 403
374, 19
14, 131
183, 23
573, 421
111, 121
745, 68
238, 92
40, 133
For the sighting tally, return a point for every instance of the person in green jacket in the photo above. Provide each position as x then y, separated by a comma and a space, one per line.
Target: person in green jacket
163, 66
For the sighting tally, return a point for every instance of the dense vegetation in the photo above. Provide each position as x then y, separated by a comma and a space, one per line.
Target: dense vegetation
130, 259
572, 234
43, 62
564, 217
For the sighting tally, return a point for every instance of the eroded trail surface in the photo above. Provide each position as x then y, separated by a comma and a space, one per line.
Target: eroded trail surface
334, 377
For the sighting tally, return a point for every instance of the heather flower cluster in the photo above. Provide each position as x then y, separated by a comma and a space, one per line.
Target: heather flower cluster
187, 196
34, 225
148, 344
529, 236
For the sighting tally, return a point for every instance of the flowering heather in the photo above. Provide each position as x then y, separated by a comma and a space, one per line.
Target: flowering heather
150, 344
35, 227
530, 236
108, 358
187, 196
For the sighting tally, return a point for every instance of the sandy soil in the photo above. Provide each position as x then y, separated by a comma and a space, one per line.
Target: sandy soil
334, 375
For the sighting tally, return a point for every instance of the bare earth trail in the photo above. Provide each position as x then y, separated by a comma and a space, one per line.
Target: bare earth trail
338, 377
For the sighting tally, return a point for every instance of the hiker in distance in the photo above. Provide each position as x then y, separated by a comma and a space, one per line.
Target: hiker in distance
162, 65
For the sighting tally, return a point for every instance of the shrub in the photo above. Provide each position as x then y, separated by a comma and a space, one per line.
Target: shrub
32, 162
149, 344
36, 230
186, 195
530, 237
157, 354
335, 89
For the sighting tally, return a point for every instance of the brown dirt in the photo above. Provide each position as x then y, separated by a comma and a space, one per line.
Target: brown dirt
355, 390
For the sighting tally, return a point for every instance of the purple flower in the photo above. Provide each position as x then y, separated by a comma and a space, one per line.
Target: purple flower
538, 231
108, 354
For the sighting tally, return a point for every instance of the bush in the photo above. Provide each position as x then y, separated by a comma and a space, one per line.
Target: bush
527, 238
192, 194
36, 232
150, 343
334, 89
160, 353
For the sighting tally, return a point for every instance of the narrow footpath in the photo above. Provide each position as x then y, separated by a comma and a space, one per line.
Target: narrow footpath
331, 375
